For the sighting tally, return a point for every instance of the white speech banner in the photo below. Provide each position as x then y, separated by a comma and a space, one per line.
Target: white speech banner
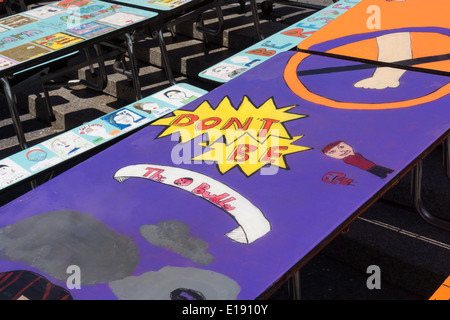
252, 222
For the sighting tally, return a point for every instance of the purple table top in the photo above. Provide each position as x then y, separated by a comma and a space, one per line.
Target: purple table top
137, 227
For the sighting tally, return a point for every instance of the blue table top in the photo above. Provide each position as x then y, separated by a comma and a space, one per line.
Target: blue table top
159, 5
59, 25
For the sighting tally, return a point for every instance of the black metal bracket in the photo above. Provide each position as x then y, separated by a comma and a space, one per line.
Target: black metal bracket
416, 184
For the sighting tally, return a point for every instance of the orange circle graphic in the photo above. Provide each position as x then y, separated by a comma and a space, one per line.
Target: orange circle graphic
297, 87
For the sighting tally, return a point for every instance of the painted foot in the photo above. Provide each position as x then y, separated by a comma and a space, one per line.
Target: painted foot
377, 83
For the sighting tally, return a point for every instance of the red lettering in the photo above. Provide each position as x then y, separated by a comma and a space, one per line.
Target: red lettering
297, 33
156, 176
226, 206
204, 126
262, 52
336, 177
237, 123
271, 153
201, 188
267, 124
190, 117
217, 199
338, 6
241, 152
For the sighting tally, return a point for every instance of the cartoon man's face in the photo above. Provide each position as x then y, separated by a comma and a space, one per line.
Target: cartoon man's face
340, 151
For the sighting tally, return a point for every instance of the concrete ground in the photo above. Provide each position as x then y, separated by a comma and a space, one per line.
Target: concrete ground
413, 256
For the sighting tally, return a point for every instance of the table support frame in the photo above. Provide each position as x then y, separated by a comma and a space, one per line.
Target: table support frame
416, 188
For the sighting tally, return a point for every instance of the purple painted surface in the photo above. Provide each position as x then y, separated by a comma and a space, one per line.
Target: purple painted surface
302, 209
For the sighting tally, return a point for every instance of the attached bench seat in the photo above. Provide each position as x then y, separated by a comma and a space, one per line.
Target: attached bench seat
26, 164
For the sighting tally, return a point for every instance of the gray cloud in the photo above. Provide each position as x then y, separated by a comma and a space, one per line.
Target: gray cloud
174, 235
52, 241
159, 285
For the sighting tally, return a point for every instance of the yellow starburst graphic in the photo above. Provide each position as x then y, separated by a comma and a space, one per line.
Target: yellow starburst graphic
248, 136
250, 154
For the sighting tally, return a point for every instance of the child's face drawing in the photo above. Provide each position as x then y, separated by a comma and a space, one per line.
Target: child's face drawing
63, 146
5, 171
148, 106
222, 70
123, 118
340, 151
176, 94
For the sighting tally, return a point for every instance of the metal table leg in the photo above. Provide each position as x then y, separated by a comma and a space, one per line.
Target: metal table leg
14, 113
416, 184
266, 7
48, 83
200, 26
158, 34
254, 8
133, 65
164, 56
294, 286
446, 155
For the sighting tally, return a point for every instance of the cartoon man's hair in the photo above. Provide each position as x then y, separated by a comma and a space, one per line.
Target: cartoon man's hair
330, 146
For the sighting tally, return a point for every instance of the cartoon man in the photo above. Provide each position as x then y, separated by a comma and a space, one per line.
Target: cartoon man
342, 151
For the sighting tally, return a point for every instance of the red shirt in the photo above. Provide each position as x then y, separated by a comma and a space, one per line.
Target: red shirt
358, 160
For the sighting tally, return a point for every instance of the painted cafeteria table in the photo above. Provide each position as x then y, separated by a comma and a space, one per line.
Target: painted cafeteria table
35, 37
222, 199
229, 196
